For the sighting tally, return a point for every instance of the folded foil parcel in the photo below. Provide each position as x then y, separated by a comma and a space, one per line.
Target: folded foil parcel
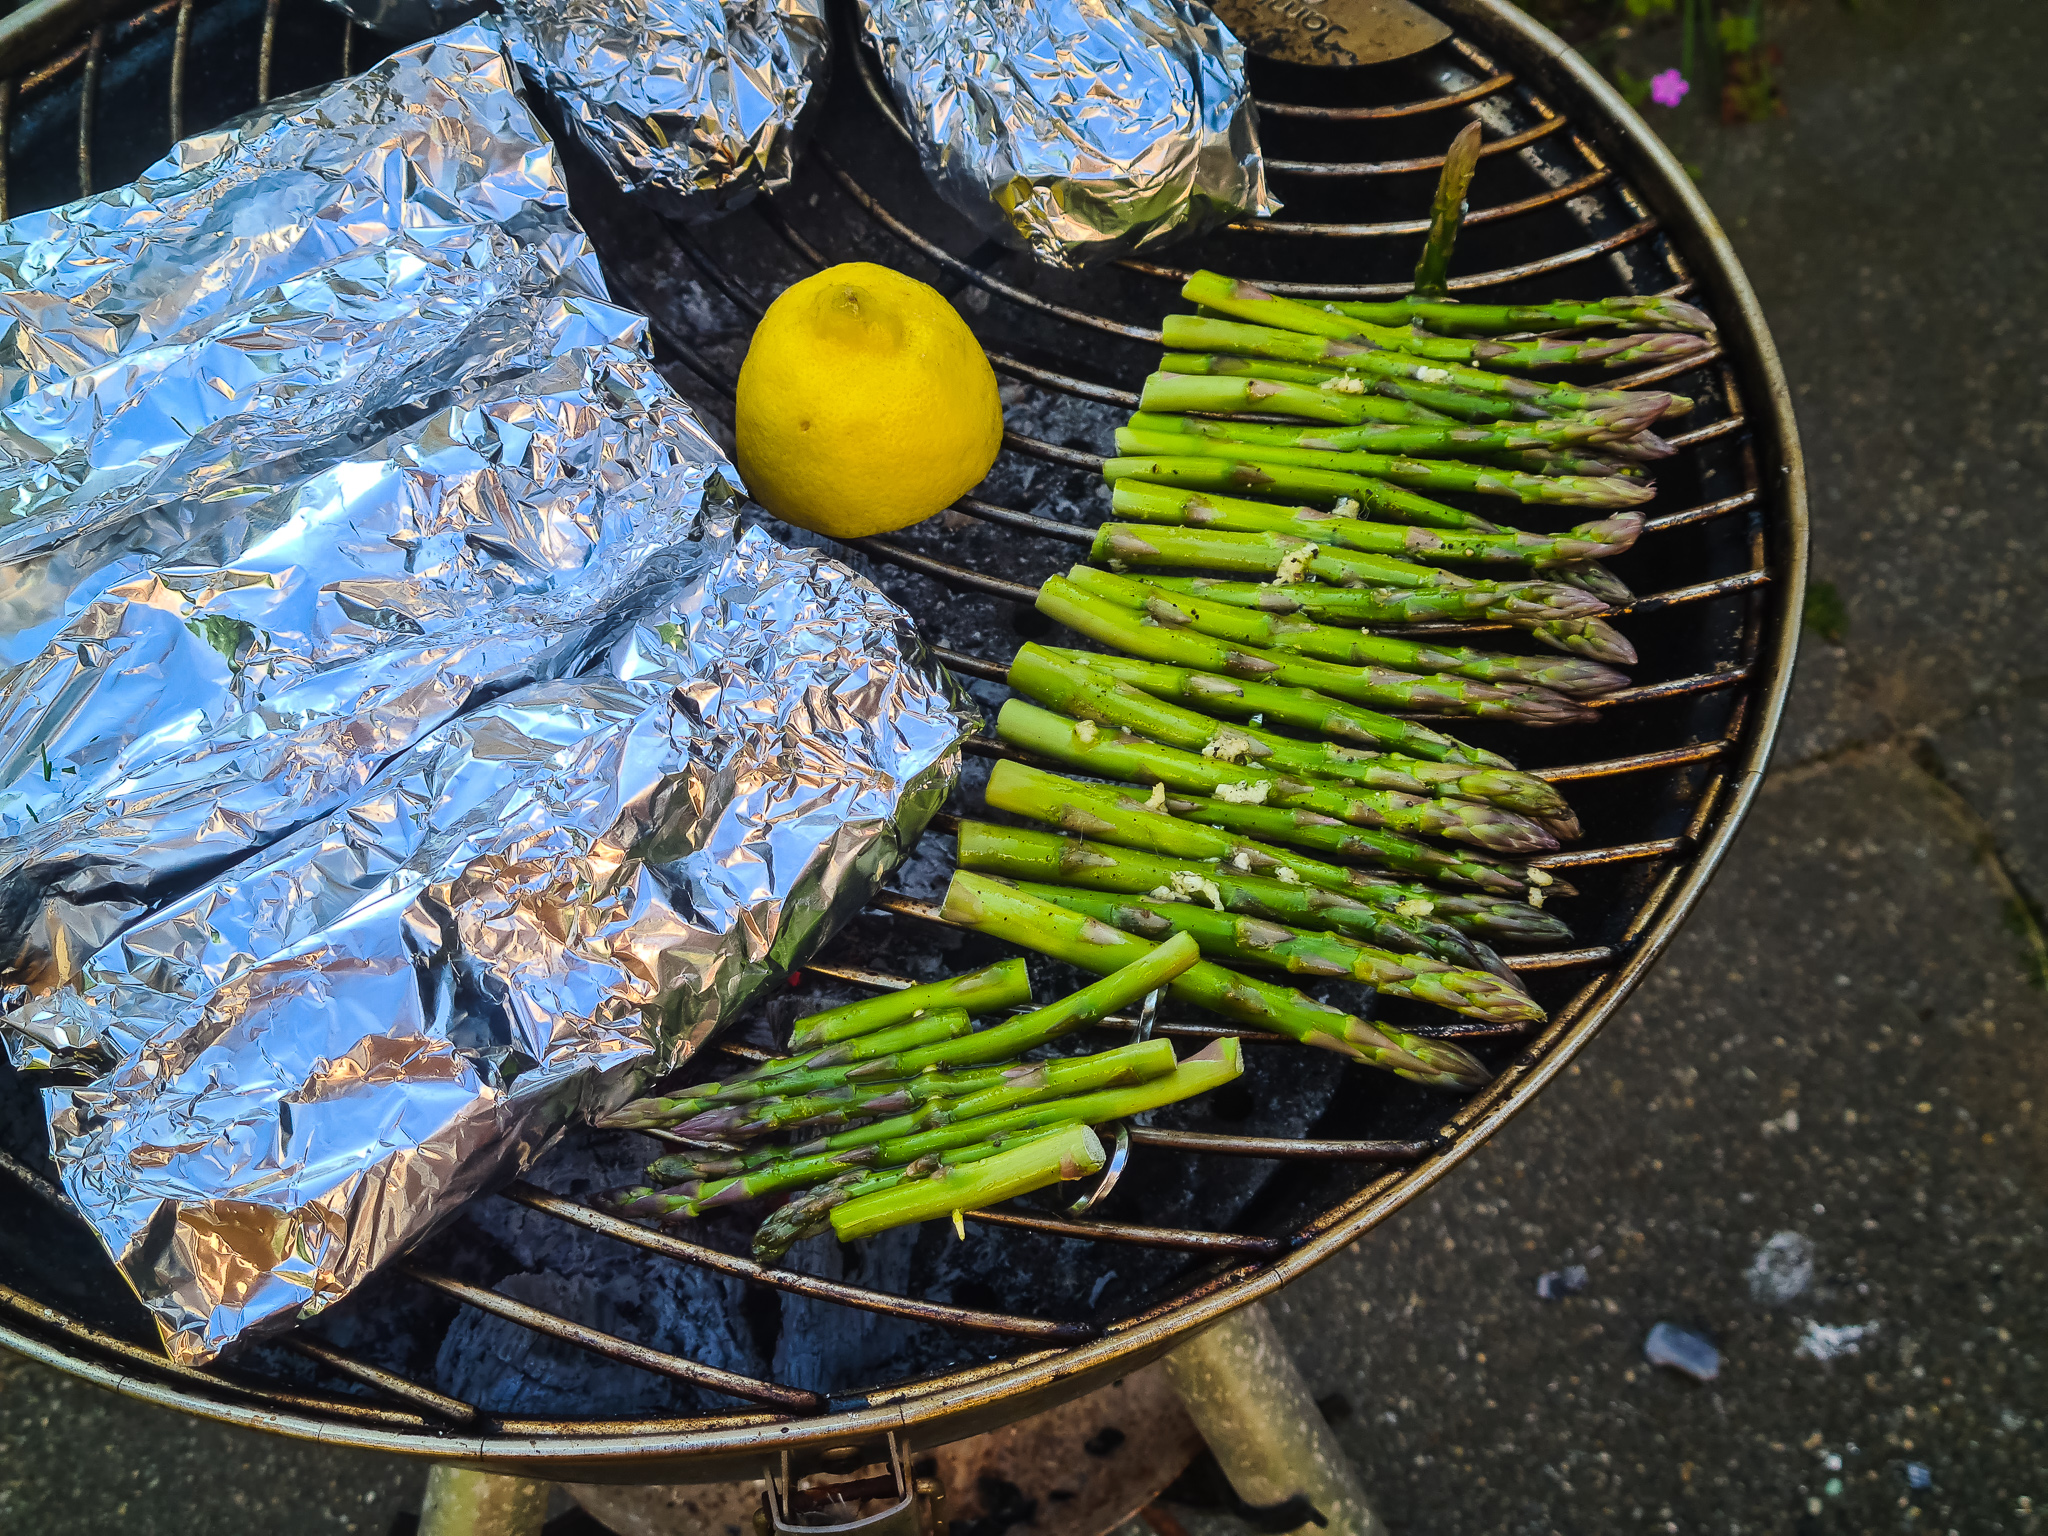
406, 742
697, 104
1080, 130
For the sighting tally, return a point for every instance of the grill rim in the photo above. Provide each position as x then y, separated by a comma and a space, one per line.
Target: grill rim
964, 1402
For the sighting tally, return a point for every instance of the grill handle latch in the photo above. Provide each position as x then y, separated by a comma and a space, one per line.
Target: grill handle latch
916, 1505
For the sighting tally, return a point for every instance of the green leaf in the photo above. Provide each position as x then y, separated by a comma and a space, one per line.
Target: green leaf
672, 635
230, 637
1738, 34
1826, 614
1634, 89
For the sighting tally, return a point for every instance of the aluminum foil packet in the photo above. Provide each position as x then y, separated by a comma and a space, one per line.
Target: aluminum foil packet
404, 747
1079, 130
695, 105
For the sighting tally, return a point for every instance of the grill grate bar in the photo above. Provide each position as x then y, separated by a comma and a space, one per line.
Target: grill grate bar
1492, 215
1665, 371
1404, 109
612, 1347
1709, 432
1029, 522
1282, 1149
1064, 382
1742, 581
1676, 757
959, 268
1052, 453
697, 1254
213, 1381
1337, 168
1469, 284
1619, 853
438, 1403
1701, 513
1649, 692
945, 571
1096, 1231
1562, 959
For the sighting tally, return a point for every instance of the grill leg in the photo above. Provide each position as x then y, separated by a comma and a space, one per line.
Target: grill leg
1251, 1405
464, 1503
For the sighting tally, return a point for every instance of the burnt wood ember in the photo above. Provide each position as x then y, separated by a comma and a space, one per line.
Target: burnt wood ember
531, 1317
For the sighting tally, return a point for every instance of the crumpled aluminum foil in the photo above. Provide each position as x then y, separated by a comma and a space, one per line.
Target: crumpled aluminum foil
694, 104
1080, 130
697, 105
405, 748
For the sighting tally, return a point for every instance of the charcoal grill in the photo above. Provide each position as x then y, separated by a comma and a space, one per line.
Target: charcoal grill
1574, 197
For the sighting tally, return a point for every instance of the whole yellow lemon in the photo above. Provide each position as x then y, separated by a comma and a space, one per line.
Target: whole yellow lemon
865, 404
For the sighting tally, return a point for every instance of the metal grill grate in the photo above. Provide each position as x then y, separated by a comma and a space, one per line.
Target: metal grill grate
1598, 210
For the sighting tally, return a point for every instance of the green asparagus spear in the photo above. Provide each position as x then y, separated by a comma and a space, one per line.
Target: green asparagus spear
1467, 601
1209, 1068
1574, 624
729, 1124
1302, 708
1193, 509
1116, 626
1072, 1154
998, 908
1244, 301
991, 990
1019, 853
1177, 827
1174, 826
793, 1221
1255, 941
1449, 381
1433, 402
1446, 213
792, 1074
1219, 385
1449, 439
914, 1051
808, 1212
1116, 754
1070, 683
1026, 1083
1204, 465
1343, 647
694, 1193
1551, 461
1648, 312
718, 1106
1448, 476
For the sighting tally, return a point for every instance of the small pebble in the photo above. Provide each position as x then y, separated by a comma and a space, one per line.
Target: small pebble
1556, 1284
1917, 1475
1683, 1350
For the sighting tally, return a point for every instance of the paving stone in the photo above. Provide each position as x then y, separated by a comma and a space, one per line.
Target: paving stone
1838, 1046
1900, 269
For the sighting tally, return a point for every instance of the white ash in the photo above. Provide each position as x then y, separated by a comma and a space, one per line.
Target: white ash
1782, 1269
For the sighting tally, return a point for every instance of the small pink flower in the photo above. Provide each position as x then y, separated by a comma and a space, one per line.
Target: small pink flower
1669, 88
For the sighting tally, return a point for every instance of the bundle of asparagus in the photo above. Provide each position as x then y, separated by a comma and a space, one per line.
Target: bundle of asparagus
1277, 509
897, 1109
1256, 792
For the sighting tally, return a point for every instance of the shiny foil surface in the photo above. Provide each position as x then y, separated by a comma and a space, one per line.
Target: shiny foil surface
695, 104
406, 745
692, 103
1080, 130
